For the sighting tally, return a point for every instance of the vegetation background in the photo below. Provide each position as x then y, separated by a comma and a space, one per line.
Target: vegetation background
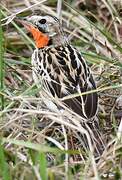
38, 142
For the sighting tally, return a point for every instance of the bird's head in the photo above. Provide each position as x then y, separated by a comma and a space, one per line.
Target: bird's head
46, 30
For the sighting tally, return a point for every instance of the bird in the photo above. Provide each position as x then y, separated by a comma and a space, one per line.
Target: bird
60, 66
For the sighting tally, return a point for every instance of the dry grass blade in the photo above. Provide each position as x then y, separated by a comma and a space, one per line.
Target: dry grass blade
59, 8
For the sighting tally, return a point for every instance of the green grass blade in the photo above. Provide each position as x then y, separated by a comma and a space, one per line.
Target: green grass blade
3, 165
43, 165
1, 64
38, 147
98, 58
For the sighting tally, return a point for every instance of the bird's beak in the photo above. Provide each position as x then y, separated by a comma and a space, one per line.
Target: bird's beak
26, 24
40, 38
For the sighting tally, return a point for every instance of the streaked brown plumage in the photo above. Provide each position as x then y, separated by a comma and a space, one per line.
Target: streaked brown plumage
60, 66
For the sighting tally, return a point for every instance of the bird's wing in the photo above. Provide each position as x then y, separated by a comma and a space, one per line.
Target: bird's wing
78, 79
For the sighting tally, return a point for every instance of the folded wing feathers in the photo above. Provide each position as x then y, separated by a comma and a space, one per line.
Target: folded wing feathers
66, 72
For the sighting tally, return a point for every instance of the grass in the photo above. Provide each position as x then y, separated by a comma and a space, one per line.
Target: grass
4, 165
40, 142
1, 64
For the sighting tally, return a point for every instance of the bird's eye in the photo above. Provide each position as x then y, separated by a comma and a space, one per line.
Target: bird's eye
42, 21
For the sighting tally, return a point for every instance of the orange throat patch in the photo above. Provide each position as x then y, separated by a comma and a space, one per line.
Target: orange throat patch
40, 38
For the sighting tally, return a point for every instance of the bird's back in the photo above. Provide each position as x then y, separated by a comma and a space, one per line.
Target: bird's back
64, 71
